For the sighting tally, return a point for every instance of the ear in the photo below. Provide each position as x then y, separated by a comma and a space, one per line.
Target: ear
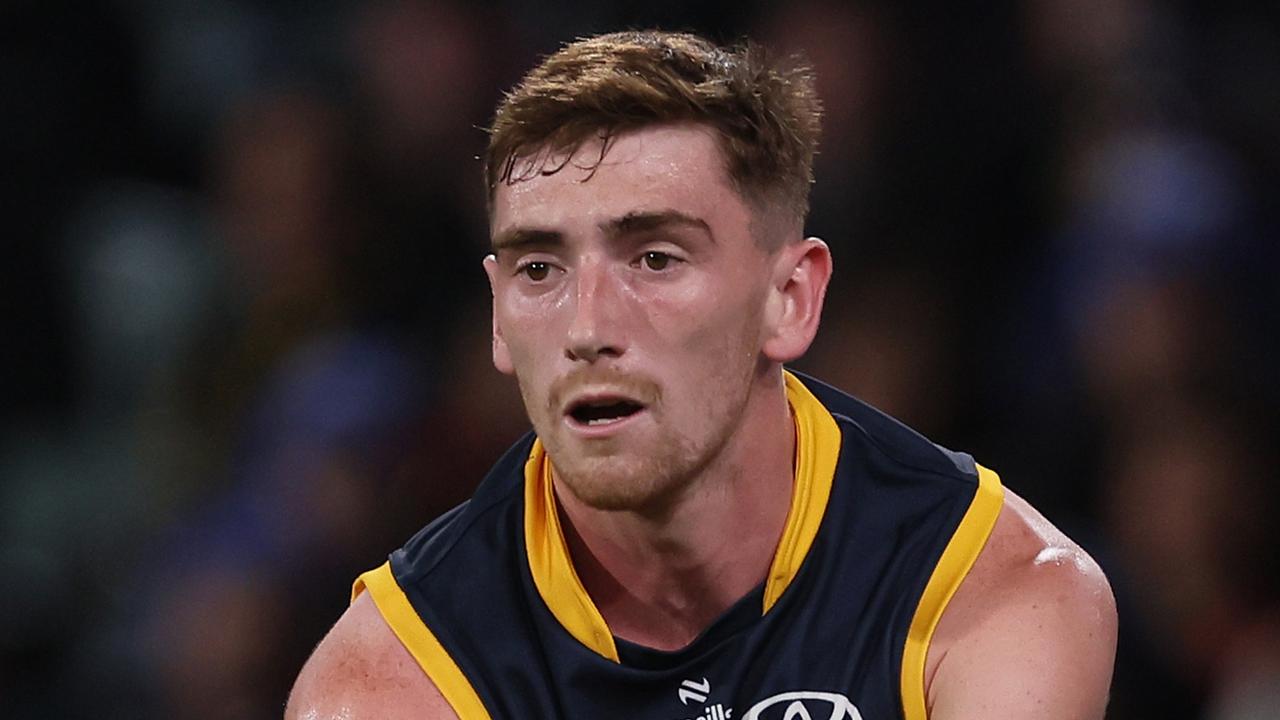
501, 354
794, 305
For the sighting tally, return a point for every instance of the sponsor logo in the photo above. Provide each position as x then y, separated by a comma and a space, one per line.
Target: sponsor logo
794, 705
804, 705
697, 692
714, 712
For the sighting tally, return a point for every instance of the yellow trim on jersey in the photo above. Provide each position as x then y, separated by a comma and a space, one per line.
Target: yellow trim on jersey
549, 561
420, 641
956, 561
817, 450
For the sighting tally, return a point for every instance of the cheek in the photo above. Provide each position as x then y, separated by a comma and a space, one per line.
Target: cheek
709, 319
527, 321
711, 353
527, 362
525, 337
534, 382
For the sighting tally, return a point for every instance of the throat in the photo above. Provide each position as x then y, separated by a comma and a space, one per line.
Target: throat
667, 624
650, 652
664, 596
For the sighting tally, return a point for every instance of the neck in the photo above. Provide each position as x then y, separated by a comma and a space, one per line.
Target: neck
659, 579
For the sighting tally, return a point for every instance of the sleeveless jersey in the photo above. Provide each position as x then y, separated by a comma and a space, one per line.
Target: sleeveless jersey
882, 529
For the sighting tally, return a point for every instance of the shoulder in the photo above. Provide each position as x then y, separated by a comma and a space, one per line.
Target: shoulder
361, 670
1031, 631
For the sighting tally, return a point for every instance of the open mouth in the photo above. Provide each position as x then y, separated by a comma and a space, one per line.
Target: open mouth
594, 413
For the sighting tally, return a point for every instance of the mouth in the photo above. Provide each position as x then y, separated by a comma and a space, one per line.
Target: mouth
602, 412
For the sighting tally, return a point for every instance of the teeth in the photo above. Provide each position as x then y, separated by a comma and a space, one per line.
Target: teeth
602, 421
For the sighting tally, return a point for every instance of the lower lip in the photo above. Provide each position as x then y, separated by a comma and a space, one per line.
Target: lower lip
602, 430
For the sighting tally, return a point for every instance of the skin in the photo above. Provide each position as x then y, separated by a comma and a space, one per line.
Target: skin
644, 281
686, 312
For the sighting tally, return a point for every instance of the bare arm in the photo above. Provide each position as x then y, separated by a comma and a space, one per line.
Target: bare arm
361, 671
1031, 634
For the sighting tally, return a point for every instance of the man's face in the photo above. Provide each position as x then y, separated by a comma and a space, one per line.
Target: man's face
628, 301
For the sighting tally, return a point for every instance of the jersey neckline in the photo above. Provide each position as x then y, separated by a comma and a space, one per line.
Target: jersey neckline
817, 450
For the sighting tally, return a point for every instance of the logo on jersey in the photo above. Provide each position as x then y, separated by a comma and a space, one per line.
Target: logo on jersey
794, 705
804, 705
697, 692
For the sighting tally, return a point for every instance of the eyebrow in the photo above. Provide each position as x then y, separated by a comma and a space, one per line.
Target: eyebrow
642, 221
633, 222
524, 237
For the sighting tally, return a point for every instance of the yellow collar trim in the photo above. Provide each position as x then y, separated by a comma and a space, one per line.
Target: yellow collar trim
553, 572
817, 450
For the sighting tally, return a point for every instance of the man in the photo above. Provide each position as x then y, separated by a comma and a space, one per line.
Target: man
696, 532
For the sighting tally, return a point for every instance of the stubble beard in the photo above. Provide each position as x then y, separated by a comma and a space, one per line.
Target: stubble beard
646, 478
649, 474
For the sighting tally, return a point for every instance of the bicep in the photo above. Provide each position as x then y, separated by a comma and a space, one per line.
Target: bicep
360, 670
1045, 652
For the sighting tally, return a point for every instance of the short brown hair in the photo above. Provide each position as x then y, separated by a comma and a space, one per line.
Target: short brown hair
767, 116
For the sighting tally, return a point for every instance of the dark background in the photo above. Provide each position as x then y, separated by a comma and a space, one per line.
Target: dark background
247, 328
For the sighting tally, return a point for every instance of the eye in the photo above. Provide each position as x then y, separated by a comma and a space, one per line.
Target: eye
536, 271
656, 261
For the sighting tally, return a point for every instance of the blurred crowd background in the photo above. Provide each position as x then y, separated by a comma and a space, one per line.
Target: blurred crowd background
246, 348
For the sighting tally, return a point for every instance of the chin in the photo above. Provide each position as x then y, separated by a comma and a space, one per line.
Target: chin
620, 484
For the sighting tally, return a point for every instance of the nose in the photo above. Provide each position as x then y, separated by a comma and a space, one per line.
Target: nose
594, 332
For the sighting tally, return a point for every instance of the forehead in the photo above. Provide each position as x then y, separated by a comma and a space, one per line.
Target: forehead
678, 167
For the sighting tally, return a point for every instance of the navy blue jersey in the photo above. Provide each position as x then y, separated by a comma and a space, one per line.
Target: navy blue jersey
883, 527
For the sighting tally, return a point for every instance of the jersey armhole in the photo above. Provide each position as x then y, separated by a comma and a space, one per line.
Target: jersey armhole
398, 612
956, 561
